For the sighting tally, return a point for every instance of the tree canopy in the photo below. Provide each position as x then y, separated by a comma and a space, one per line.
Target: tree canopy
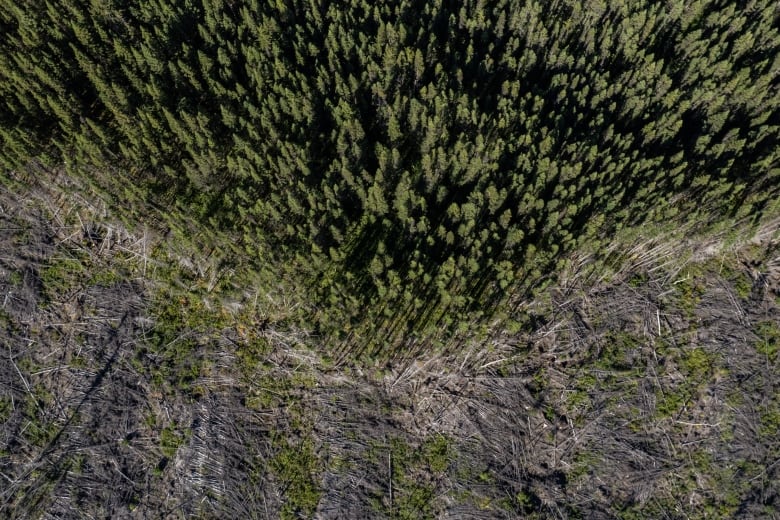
419, 160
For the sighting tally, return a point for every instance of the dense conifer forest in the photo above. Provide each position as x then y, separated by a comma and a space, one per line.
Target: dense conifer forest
409, 260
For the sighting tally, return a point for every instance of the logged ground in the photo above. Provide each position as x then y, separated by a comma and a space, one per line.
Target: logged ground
136, 385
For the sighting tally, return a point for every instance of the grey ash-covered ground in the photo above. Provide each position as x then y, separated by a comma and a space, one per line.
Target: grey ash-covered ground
650, 394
